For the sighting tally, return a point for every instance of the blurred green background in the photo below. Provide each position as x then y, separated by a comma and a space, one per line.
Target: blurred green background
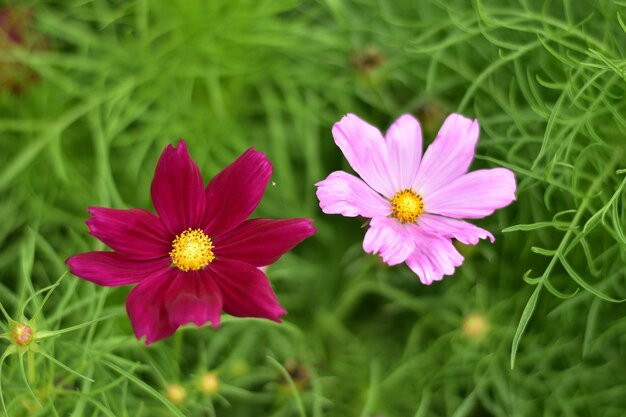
92, 91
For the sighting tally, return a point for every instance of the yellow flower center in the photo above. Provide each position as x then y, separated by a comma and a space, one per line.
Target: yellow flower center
192, 250
407, 206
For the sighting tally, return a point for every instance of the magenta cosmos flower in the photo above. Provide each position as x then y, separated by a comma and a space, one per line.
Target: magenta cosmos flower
415, 202
199, 255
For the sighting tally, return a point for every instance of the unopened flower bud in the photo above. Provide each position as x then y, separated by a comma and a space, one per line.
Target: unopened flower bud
239, 368
298, 373
176, 393
368, 60
22, 334
209, 383
475, 326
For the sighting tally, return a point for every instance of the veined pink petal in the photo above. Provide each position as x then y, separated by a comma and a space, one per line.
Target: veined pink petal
136, 233
158, 305
434, 256
245, 289
389, 238
462, 231
449, 156
342, 193
261, 242
364, 147
404, 144
178, 191
234, 193
474, 195
112, 269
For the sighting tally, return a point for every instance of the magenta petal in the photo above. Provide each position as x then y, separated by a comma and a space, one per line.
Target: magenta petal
404, 144
246, 290
364, 147
234, 193
434, 256
178, 190
193, 297
160, 304
345, 194
112, 269
146, 306
389, 238
449, 156
451, 228
474, 195
135, 233
261, 242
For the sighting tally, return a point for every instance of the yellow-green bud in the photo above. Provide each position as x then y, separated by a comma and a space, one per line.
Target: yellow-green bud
176, 393
209, 383
475, 326
21, 334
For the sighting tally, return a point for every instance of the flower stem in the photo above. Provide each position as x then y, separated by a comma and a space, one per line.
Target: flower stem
31, 367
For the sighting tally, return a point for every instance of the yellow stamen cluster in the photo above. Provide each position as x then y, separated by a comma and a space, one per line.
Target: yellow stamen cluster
192, 250
407, 206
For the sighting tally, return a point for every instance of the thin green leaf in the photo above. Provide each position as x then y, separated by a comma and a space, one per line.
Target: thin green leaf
523, 322
141, 384
580, 281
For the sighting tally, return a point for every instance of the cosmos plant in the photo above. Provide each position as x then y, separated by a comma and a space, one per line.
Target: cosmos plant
199, 255
415, 202
25, 339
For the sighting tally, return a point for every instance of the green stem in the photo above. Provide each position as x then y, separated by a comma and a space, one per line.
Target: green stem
31, 367
532, 302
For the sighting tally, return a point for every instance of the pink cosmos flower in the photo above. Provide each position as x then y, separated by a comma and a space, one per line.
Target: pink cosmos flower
199, 255
415, 202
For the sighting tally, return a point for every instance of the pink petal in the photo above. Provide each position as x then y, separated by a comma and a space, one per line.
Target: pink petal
474, 195
389, 238
178, 190
434, 256
246, 290
236, 191
462, 231
260, 242
194, 298
404, 144
135, 233
449, 156
364, 147
146, 306
345, 194
157, 306
112, 269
